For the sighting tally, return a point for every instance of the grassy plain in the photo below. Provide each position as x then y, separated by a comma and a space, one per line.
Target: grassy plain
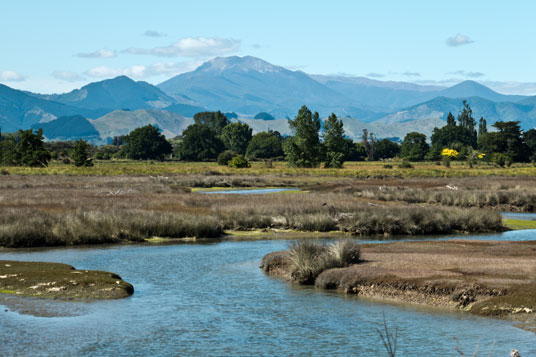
135, 201
362, 169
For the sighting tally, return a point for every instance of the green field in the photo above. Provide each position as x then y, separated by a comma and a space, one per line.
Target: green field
362, 169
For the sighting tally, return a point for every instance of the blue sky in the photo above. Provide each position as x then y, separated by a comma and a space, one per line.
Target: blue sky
56, 46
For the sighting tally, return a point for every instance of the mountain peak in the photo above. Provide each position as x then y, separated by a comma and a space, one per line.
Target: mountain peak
241, 64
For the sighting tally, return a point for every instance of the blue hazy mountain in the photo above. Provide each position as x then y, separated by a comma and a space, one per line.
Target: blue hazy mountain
19, 110
250, 85
68, 128
112, 94
438, 108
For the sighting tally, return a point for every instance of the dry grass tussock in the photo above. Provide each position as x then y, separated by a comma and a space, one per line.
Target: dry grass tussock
310, 258
66, 210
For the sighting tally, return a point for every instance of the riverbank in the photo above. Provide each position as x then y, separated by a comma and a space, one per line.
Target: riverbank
485, 278
60, 281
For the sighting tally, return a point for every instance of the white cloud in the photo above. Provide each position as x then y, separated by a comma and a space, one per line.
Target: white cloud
195, 47
152, 33
467, 74
375, 75
458, 40
67, 76
11, 76
411, 74
98, 54
143, 71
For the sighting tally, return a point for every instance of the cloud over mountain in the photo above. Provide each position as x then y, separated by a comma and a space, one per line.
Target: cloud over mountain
196, 47
459, 40
11, 76
97, 54
67, 76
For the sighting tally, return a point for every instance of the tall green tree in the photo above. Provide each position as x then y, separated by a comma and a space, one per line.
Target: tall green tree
199, 143
414, 147
265, 145
507, 140
236, 137
304, 148
482, 126
386, 149
80, 154
451, 121
334, 142
214, 120
369, 144
30, 150
466, 120
529, 137
147, 143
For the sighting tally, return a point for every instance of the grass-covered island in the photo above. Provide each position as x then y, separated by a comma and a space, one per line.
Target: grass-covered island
60, 281
483, 277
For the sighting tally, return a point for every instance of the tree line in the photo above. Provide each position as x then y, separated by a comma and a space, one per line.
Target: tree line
213, 137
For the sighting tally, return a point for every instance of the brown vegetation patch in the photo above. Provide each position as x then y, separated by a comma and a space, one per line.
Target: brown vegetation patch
484, 277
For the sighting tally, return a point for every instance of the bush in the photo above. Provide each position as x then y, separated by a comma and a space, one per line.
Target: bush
387, 166
405, 165
239, 162
499, 159
309, 258
225, 157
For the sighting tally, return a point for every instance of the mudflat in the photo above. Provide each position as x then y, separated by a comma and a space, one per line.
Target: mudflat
60, 281
487, 278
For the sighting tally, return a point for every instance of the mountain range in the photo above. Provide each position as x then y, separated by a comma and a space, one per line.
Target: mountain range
247, 86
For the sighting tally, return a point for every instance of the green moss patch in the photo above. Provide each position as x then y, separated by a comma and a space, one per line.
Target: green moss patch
60, 281
519, 224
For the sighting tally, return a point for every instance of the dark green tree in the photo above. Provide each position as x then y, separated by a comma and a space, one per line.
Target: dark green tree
466, 120
199, 143
482, 126
80, 154
147, 143
236, 137
214, 120
30, 150
507, 140
529, 138
8, 152
450, 136
369, 144
334, 142
451, 121
265, 145
386, 149
354, 151
414, 147
304, 148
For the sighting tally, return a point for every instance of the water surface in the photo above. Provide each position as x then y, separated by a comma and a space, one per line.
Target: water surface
213, 299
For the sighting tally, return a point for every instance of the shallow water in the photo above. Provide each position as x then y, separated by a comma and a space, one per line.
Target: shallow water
520, 215
256, 191
213, 299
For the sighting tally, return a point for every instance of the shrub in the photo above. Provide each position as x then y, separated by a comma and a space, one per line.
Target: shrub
239, 162
387, 166
405, 165
225, 157
309, 258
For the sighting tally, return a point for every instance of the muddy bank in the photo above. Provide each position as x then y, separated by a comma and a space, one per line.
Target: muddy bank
60, 281
483, 277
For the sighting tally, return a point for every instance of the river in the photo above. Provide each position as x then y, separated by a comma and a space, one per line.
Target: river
212, 299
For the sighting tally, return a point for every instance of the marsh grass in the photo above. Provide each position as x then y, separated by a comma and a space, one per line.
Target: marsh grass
68, 210
310, 258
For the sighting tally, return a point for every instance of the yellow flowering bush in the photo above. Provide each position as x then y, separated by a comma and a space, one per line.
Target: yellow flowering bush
450, 153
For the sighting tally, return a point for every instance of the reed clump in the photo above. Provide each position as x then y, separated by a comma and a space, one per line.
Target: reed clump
310, 258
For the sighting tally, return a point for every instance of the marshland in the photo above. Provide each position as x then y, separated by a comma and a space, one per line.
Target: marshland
74, 210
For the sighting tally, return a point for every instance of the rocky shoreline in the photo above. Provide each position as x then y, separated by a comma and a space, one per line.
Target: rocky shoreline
485, 278
60, 281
